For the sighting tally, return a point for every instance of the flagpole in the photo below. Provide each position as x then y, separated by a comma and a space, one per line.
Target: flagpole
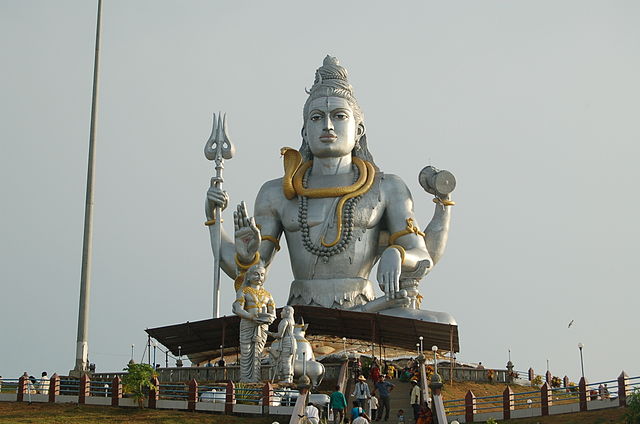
82, 344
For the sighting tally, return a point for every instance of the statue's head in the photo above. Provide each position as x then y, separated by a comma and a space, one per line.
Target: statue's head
331, 96
256, 274
287, 312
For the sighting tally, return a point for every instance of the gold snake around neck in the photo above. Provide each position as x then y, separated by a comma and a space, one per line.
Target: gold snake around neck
292, 186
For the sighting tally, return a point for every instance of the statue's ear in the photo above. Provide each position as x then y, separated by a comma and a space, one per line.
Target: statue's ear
361, 130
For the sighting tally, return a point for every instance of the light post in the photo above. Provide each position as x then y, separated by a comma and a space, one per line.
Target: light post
132, 347
434, 348
155, 345
580, 346
179, 360
418, 348
421, 338
344, 345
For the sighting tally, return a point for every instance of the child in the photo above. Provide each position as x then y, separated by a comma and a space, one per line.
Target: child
373, 406
400, 416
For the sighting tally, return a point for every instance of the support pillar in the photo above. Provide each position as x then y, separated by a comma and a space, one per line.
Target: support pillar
437, 404
230, 398
116, 391
469, 406
84, 388
424, 386
54, 388
267, 390
623, 386
546, 398
193, 395
508, 403
154, 393
582, 387
22, 387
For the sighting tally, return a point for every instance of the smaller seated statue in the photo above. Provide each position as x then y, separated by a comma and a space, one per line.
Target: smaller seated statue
283, 350
256, 308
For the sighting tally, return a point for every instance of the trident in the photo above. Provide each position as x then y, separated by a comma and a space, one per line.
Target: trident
218, 148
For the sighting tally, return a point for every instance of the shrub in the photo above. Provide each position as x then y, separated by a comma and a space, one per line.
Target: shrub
556, 381
492, 421
537, 381
137, 382
633, 408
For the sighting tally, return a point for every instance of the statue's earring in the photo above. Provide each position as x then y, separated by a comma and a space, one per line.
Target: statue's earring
357, 146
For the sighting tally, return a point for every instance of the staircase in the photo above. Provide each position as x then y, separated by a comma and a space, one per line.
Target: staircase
400, 399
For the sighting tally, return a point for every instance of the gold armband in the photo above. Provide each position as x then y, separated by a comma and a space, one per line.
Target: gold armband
411, 229
273, 240
212, 221
443, 202
245, 267
399, 249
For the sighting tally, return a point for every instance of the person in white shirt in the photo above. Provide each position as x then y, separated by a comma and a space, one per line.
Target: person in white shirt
373, 405
360, 420
312, 413
415, 398
43, 384
361, 392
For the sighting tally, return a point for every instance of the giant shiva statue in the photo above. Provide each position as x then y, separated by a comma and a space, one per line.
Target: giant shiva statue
340, 213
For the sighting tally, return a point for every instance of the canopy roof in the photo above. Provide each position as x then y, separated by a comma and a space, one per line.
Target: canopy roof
210, 334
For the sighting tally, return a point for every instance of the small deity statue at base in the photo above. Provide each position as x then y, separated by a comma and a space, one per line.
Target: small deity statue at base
256, 308
283, 350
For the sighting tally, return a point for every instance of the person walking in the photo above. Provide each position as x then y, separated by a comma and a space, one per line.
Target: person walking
415, 398
338, 404
373, 405
361, 392
384, 388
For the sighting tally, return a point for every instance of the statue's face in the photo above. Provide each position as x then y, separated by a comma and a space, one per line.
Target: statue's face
331, 129
256, 275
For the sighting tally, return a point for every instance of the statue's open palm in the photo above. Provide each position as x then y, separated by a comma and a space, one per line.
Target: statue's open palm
247, 234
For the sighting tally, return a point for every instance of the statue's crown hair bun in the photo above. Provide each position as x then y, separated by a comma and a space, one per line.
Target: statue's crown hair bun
331, 76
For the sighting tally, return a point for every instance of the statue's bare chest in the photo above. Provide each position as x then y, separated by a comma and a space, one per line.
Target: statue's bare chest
368, 211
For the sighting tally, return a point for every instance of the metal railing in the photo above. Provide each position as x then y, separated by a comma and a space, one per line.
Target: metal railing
173, 391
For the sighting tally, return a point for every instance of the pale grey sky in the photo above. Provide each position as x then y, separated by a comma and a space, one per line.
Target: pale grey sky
533, 105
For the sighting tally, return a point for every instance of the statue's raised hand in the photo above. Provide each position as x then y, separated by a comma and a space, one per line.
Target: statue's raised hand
247, 234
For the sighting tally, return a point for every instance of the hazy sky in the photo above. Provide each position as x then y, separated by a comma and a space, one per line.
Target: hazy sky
533, 105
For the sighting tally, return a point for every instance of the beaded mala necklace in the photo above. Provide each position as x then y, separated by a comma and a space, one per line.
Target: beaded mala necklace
346, 235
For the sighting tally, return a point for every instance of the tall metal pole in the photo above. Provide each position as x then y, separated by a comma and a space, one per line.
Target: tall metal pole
82, 341
580, 346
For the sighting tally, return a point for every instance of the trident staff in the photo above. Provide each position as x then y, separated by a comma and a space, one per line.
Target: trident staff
218, 148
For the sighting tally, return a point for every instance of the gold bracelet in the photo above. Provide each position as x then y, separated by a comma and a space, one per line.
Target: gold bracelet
273, 240
443, 202
212, 221
399, 249
244, 267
